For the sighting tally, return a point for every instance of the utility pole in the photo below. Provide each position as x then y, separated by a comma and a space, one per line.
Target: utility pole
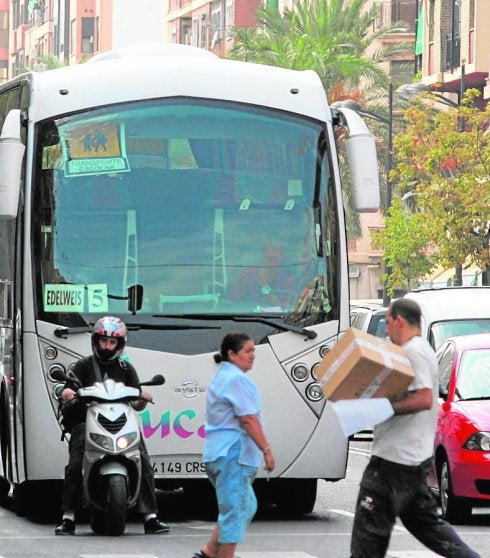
389, 166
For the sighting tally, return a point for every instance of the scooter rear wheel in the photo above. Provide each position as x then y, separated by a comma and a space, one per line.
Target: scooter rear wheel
115, 519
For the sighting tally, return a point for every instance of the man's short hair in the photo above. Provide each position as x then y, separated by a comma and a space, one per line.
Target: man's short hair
408, 309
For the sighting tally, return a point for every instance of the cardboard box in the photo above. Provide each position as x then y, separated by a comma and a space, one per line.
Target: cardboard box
362, 365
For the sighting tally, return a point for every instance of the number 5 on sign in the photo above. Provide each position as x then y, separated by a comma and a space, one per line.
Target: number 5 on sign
97, 298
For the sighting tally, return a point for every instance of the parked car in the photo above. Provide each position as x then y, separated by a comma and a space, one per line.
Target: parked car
451, 311
461, 472
368, 316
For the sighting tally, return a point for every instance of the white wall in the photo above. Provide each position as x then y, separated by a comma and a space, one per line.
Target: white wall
136, 22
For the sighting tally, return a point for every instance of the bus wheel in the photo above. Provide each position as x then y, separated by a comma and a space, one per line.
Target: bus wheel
21, 500
4, 491
296, 496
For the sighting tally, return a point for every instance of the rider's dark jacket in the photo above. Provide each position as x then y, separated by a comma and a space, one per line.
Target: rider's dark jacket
85, 370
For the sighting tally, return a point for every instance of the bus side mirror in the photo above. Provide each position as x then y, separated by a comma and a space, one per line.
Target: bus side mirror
11, 155
135, 298
362, 160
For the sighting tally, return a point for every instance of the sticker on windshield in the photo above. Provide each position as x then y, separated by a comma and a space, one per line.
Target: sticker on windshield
71, 298
95, 148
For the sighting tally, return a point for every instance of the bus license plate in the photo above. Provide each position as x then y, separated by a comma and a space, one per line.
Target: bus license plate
179, 466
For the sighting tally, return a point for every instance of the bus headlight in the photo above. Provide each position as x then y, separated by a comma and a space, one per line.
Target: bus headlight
314, 392
125, 441
324, 349
102, 441
313, 371
50, 353
58, 390
300, 372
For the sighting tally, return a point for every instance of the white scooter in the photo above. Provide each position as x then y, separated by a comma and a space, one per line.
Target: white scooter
112, 461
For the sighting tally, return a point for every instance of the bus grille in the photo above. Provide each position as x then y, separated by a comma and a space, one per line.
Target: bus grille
112, 426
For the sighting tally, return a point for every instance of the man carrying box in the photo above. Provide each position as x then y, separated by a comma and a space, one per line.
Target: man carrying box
394, 482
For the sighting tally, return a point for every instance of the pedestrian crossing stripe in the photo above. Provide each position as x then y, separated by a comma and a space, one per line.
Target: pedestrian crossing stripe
116, 556
274, 554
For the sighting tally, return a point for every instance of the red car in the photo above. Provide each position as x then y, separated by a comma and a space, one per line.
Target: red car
461, 473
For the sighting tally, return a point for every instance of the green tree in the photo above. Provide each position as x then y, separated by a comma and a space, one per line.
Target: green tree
444, 164
331, 37
405, 240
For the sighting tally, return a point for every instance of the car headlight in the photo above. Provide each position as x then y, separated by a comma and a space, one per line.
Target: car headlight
102, 441
480, 441
125, 441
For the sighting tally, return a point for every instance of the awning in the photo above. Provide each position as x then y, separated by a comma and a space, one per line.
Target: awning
419, 37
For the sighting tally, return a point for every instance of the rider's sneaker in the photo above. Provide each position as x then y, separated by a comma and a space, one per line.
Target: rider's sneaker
154, 526
66, 527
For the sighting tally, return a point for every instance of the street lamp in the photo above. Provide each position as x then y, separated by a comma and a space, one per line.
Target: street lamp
350, 103
410, 90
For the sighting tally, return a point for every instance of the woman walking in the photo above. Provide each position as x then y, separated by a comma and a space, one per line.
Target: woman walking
235, 444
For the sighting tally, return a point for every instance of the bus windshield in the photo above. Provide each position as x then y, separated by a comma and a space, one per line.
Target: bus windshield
185, 199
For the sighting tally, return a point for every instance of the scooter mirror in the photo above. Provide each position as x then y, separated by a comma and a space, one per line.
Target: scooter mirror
157, 380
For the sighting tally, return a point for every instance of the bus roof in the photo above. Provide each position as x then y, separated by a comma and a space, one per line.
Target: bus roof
134, 76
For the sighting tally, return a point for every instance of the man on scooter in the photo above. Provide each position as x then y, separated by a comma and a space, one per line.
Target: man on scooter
109, 336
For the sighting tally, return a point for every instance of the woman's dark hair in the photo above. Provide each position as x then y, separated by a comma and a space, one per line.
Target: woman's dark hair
408, 309
233, 341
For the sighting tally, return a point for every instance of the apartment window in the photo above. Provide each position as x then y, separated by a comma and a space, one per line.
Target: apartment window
217, 22
204, 31
185, 31
453, 39
229, 20
195, 32
88, 34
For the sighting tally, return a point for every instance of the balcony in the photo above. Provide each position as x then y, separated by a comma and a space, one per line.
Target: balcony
393, 11
19, 38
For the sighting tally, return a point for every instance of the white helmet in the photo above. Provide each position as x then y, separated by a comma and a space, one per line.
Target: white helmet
112, 327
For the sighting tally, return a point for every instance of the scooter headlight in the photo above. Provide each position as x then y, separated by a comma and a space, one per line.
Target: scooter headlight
125, 441
102, 441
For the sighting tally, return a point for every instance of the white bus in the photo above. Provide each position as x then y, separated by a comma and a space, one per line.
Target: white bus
147, 184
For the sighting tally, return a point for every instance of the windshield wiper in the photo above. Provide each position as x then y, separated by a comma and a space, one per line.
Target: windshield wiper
64, 331
277, 322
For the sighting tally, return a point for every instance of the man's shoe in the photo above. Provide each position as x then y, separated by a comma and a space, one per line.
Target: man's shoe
66, 527
154, 526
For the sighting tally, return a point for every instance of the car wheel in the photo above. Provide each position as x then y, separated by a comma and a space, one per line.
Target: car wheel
454, 509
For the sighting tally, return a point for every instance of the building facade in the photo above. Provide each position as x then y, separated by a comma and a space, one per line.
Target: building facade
207, 24
452, 54
455, 46
72, 31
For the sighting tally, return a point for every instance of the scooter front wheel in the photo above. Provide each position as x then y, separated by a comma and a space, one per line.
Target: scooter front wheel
97, 523
115, 519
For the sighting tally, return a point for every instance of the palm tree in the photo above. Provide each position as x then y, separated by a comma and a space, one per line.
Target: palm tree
331, 37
